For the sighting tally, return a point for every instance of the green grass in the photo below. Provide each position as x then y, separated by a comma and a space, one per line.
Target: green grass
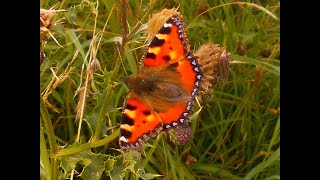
236, 135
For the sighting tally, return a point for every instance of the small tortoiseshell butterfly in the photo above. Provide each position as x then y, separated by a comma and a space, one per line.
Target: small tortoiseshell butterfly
162, 94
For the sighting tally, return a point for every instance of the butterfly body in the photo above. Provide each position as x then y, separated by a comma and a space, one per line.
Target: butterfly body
159, 87
161, 95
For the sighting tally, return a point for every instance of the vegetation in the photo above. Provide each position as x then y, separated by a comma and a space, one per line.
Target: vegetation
86, 51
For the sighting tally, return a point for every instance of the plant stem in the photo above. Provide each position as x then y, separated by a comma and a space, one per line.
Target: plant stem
150, 152
44, 154
89, 145
51, 136
47, 122
145, 16
70, 121
54, 163
124, 24
102, 113
126, 37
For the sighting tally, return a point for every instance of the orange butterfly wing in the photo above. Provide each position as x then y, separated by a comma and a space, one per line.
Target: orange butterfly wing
170, 46
139, 121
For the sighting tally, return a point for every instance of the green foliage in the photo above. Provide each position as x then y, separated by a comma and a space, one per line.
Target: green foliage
236, 134
93, 164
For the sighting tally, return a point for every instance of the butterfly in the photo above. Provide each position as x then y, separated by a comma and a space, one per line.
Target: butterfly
162, 94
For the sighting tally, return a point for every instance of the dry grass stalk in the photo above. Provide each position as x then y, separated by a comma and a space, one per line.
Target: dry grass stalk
54, 83
93, 65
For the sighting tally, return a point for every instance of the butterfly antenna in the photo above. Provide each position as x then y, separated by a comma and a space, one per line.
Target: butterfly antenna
121, 60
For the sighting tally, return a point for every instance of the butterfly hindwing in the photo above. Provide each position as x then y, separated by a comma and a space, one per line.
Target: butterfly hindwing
179, 113
139, 123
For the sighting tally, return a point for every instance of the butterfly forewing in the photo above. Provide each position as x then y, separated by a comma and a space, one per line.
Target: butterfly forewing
169, 44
